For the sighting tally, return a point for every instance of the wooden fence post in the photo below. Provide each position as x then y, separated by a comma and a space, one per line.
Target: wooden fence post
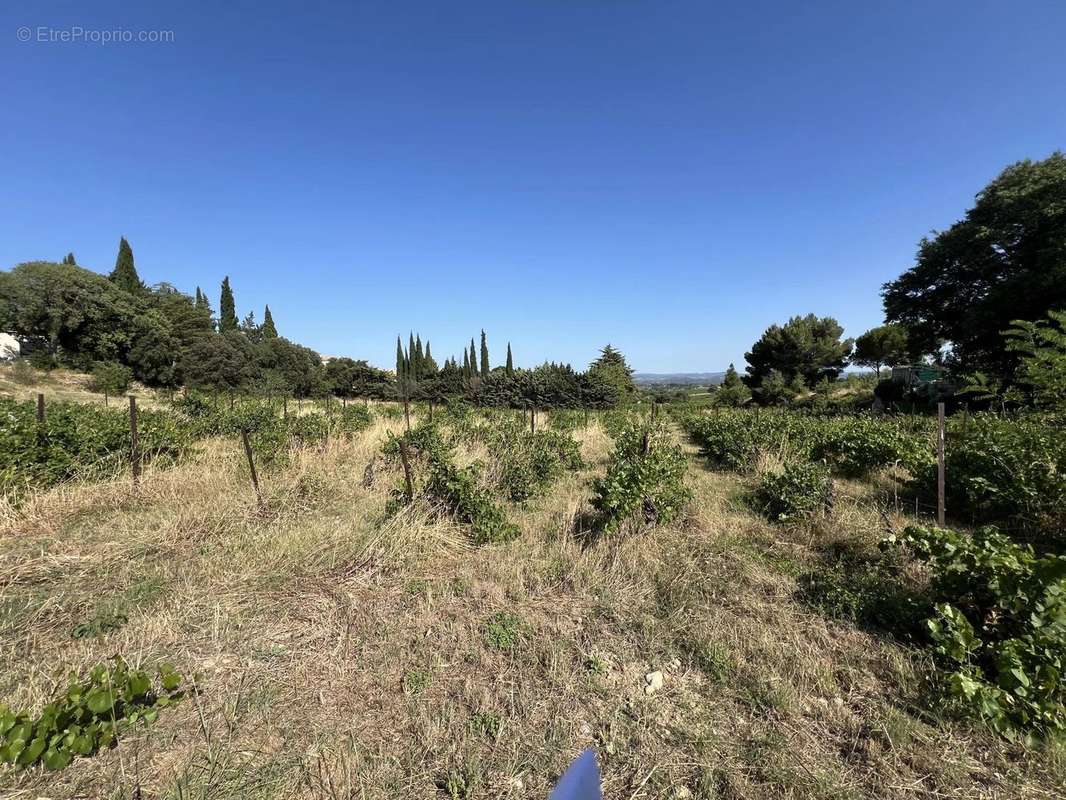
407, 411
135, 445
533, 419
408, 480
40, 409
251, 467
940, 465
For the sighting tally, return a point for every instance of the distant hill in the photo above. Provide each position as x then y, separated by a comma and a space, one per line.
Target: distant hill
678, 378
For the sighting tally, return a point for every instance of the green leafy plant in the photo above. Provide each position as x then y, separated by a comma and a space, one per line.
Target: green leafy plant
89, 715
800, 490
999, 626
645, 477
503, 630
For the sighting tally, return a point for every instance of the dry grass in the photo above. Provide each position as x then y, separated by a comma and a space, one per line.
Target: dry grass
345, 655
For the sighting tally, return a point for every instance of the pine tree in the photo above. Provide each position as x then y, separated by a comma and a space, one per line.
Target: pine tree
268, 330
227, 310
124, 275
484, 355
69, 259
510, 361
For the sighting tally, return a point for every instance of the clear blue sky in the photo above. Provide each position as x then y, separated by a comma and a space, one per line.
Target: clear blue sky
671, 177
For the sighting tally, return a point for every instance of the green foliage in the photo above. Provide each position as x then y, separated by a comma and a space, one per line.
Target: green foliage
999, 627
1011, 470
799, 491
23, 373
503, 631
645, 476
611, 369
808, 348
1005, 260
79, 440
268, 330
124, 275
853, 446
90, 715
227, 309
529, 463
110, 377
1042, 348
731, 393
881, 346
486, 724
458, 490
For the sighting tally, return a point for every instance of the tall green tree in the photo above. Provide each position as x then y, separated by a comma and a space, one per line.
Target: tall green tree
401, 363
1005, 260
419, 358
69, 259
732, 392
466, 364
474, 371
429, 364
510, 361
268, 330
227, 309
611, 368
809, 347
124, 275
484, 355
885, 345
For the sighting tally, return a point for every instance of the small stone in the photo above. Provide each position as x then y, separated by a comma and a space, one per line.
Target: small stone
585, 729
653, 682
682, 793
517, 784
674, 665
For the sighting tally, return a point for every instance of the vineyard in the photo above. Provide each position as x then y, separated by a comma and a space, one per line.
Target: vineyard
723, 602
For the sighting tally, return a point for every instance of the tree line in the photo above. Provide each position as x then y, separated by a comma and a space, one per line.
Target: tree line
984, 299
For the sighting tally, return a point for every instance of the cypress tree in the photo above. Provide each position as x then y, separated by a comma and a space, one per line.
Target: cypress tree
510, 361
267, 329
400, 363
412, 366
69, 259
466, 364
419, 358
473, 360
227, 310
124, 275
484, 355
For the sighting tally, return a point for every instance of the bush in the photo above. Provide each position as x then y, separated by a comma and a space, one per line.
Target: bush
23, 373
529, 463
110, 377
79, 440
458, 491
645, 474
1005, 470
800, 490
999, 627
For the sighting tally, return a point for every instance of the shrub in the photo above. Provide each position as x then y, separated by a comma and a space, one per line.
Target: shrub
90, 715
79, 440
529, 463
1005, 470
800, 490
999, 626
110, 377
23, 373
353, 419
458, 491
645, 474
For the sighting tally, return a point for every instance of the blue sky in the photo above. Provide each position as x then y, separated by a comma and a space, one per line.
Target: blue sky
671, 177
